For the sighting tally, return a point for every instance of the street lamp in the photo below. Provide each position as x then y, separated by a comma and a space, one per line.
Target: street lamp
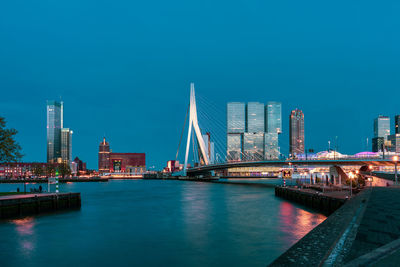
351, 176
395, 159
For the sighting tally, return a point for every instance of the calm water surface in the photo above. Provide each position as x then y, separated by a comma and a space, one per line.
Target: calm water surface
158, 223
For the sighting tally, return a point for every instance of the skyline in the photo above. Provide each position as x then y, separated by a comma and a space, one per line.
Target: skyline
129, 76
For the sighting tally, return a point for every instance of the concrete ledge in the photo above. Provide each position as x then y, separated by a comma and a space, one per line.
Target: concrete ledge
314, 248
23, 205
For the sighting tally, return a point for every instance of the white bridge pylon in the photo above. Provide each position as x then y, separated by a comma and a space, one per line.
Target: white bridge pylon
193, 122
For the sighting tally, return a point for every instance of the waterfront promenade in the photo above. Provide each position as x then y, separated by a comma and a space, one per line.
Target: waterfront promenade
364, 231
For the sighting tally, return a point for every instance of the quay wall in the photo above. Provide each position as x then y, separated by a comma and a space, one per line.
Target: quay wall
44, 180
18, 205
324, 204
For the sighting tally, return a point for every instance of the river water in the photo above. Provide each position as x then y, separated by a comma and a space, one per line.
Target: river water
158, 223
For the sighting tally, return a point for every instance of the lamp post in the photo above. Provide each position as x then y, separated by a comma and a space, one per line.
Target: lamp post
323, 184
351, 175
395, 159
370, 174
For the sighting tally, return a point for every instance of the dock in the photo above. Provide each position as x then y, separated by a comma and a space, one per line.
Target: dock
324, 202
14, 206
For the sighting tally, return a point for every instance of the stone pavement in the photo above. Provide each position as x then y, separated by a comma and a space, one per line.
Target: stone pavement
363, 232
380, 224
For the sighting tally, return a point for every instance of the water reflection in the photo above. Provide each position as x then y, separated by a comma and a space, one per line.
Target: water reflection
25, 229
297, 222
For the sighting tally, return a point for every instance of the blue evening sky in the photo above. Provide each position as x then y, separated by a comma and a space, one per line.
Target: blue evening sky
123, 68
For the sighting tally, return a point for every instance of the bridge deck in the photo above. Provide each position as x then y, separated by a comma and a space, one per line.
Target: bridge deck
286, 163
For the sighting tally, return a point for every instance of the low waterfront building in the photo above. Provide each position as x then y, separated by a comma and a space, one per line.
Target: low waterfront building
25, 169
125, 163
296, 132
80, 165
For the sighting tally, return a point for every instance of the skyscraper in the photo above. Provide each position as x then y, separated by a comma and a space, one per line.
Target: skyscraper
54, 126
396, 124
236, 117
271, 149
104, 156
273, 115
236, 126
253, 146
66, 145
296, 132
382, 126
255, 117
253, 130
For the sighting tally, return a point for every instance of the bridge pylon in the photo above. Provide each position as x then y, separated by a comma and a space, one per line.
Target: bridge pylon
193, 122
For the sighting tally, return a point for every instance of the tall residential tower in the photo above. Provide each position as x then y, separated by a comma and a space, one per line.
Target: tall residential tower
54, 126
296, 132
59, 139
104, 156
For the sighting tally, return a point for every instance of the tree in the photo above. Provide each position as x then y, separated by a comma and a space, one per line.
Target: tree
10, 150
50, 170
38, 170
64, 170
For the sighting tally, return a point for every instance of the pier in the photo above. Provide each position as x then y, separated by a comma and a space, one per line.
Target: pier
13, 206
325, 202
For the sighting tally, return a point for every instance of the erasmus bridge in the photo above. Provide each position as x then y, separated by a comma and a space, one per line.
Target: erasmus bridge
205, 167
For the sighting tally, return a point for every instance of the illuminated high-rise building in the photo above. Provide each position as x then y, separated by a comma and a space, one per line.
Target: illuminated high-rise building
255, 117
273, 117
253, 146
271, 147
382, 127
397, 124
54, 126
66, 146
236, 126
296, 132
104, 156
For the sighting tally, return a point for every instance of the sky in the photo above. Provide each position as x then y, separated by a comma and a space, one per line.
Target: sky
123, 69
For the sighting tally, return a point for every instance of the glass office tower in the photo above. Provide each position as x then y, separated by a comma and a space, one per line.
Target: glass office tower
396, 124
236, 117
273, 115
253, 146
66, 145
382, 126
236, 126
255, 117
234, 144
54, 125
296, 132
271, 149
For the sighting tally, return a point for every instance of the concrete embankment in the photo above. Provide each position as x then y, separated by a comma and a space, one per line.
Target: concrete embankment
365, 231
322, 202
325, 243
23, 205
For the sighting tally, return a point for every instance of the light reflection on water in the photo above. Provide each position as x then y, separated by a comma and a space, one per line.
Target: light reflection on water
25, 230
158, 223
297, 222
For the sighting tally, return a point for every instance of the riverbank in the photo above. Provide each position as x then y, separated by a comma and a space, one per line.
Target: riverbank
60, 180
19, 205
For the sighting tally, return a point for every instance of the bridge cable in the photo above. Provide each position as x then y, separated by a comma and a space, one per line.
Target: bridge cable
183, 130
